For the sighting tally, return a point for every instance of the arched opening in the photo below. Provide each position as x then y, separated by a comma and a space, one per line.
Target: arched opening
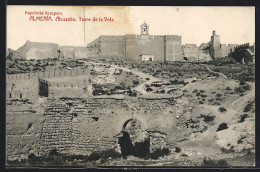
10, 95
134, 140
21, 96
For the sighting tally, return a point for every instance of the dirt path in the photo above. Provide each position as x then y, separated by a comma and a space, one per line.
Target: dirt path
140, 87
214, 71
240, 103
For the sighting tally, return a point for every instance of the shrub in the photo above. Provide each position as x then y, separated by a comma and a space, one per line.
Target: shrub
53, 152
135, 82
159, 153
218, 95
177, 149
222, 109
242, 83
224, 150
243, 117
222, 126
248, 106
201, 102
239, 89
228, 88
246, 87
198, 94
149, 89
194, 91
208, 117
203, 95
207, 162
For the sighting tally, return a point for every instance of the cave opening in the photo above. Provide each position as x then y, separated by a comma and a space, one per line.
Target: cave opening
139, 149
134, 140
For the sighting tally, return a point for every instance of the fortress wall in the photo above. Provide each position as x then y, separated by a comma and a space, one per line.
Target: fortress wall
137, 46
68, 51
38, 50
94, 48
48, 74
22, 89
81, 52
90, 125
112, 46
173, 47
190, 50
26, 86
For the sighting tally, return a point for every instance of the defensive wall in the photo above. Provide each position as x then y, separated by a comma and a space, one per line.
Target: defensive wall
86, 125
39, 50
191, 51
244, 53
26, 85
131, 47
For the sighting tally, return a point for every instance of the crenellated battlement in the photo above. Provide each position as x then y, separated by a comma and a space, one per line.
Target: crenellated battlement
48, 74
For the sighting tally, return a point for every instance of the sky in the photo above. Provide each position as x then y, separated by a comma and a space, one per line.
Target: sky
194, 24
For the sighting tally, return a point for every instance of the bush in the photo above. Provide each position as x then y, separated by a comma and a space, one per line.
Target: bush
222, 126
201, 102
149, 89
177, 149
246, 87
207, 162
243, 117
208, 117
53, 152
249, 106
222, 109
218, 95
242, 83
159, 153
135, 82
228, 88
239, 89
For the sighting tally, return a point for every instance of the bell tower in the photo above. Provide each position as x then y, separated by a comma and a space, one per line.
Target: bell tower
144, 29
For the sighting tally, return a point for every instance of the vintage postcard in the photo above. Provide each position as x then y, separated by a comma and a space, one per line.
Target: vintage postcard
130, 86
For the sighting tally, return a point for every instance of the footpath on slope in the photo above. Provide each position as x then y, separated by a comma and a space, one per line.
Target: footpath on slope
213, 71
140, 87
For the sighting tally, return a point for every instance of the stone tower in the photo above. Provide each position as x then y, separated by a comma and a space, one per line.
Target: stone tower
215, 46
144, 29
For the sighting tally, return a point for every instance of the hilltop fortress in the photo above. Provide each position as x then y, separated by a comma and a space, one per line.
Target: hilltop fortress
143, 47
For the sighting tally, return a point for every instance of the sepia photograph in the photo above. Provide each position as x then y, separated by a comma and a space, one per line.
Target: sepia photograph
153, 86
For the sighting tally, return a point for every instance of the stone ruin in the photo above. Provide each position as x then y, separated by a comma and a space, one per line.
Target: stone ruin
72, 121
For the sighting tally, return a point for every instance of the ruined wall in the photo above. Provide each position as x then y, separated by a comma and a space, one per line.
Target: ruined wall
191, 51
11, 54
82, 126
94, 48
81, 52
48, 74
68, 51
39, 50
26, 85
225, 49
74, 52
22, 89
